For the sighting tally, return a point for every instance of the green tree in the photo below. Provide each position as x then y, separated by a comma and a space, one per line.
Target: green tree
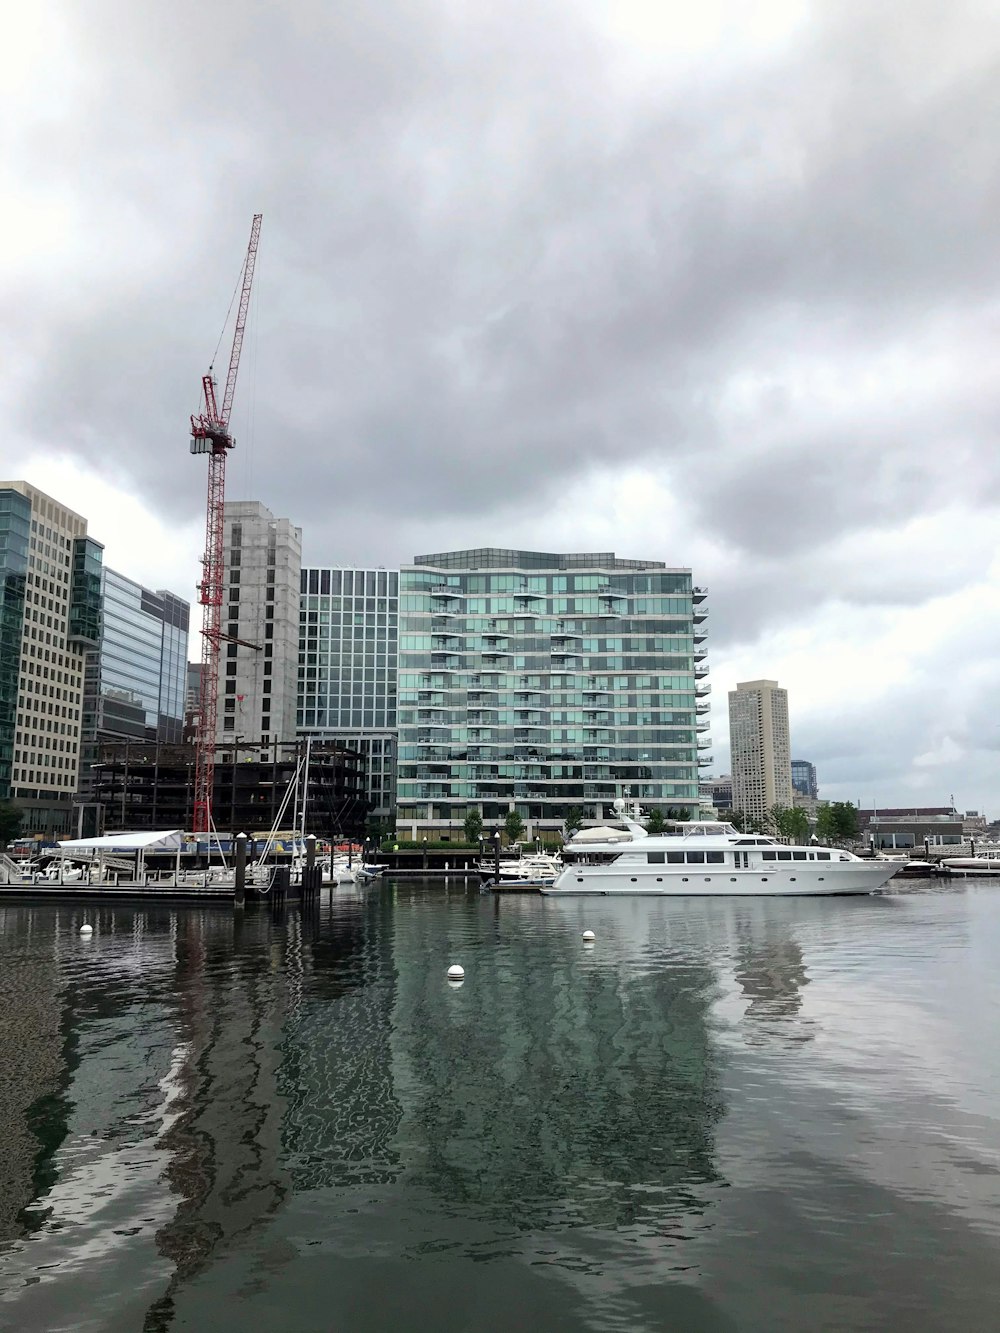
738, 820
826, 823
513, 826
573, 821
796, 825
846, 820
473, 825
10, 822
655, 823
679, 814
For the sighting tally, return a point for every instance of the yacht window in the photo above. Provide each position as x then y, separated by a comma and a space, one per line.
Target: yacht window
800, 856
715, 858
822, 856
655, 858
675, 858
696, 858
782, 856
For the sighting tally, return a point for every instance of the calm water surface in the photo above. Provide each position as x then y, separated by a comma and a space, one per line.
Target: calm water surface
756, 1115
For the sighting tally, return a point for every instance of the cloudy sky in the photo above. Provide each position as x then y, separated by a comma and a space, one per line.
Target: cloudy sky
711, 283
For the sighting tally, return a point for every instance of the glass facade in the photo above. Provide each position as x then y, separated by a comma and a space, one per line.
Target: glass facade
15, 532
85, 594
539, 681
136, 684
348, 636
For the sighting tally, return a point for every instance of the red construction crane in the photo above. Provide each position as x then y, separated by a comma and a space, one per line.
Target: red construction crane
210, 435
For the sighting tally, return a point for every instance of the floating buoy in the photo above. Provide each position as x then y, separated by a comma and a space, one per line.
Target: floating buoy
589, 937
456, 972
86, 930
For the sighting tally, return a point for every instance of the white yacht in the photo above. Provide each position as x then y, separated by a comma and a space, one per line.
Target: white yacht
713, 859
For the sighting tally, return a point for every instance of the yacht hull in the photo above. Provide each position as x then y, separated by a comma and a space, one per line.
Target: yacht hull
825, 881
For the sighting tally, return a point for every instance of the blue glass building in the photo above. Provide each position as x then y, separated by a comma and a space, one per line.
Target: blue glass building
537, 682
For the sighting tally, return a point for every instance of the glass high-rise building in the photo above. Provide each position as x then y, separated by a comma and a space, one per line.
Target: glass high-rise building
537, 682
135, 684
348, 633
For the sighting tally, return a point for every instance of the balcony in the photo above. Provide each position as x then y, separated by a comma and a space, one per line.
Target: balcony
702, 709
700, 691
705, 761
442, 591
698, 595
700, 672
702, 726
704, 743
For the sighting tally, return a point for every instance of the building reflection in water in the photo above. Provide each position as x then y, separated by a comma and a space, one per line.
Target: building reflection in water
769, 967
555, 1090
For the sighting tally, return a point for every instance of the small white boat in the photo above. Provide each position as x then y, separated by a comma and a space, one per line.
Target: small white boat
967, 866
538, 867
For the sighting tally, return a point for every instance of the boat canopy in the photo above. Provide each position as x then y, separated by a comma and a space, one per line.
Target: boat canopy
145, 841
601, 834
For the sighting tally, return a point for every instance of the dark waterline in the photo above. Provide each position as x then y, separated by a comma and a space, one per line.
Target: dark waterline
754, 1115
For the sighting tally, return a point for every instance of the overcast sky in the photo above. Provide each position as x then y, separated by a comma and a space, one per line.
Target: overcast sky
712, 284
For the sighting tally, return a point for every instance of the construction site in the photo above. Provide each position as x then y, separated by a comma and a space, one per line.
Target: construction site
140, 785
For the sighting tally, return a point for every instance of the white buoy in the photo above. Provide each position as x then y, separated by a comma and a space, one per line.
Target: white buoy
86, 930
456, 972
589, 937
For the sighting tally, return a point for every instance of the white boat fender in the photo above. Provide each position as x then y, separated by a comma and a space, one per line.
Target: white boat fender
456, 972
86, 930
589, 937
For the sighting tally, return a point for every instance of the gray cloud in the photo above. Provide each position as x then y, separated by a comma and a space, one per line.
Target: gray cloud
494, 262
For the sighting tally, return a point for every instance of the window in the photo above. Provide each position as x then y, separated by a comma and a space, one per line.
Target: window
715, 858
655, 858
696, 858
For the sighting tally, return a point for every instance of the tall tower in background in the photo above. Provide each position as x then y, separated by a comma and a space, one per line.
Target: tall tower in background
761, 751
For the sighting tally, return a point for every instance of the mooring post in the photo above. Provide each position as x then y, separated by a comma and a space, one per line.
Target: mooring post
308, 879
241, 869
496, 853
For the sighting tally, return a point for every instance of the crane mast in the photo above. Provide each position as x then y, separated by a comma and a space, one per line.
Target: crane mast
210, 435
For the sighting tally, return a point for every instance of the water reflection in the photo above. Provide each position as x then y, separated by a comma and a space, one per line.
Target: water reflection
196, 1101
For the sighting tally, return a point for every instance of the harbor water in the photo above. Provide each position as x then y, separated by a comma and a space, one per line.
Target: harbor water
771, 1114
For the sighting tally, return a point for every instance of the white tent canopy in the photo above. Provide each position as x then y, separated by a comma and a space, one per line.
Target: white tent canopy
145, 841
601, 834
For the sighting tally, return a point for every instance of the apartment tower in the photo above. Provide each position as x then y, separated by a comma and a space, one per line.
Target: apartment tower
761, 752
538, 682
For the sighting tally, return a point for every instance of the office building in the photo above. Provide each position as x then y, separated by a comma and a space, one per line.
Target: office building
134, 686
804, 778
347, 669
760, 748
257, 685
537, 682
50, 620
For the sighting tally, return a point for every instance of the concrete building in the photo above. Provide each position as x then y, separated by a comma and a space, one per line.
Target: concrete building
760, 748
804, 778
145, 786
535, 682
257, 687
50, 619
719, 791
347, 672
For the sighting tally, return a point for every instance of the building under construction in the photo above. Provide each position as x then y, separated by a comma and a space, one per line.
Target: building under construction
148, 786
